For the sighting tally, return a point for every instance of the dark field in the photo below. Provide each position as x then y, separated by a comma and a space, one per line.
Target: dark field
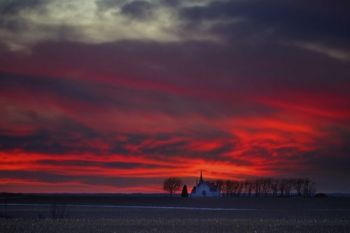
108, 213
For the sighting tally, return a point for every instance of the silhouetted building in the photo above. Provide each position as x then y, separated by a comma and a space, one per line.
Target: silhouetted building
205, 189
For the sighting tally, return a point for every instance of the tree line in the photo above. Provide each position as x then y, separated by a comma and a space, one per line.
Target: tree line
262, 187
276, 187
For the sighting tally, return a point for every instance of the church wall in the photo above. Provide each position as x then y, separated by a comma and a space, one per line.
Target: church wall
204, 191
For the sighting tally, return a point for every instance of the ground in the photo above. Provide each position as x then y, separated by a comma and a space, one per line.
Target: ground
173, 225
170, 215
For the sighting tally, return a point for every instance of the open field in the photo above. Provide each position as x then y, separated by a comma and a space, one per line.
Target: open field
164, 200
179, 225
109, 213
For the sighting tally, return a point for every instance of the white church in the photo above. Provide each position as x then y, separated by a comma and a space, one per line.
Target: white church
205, 189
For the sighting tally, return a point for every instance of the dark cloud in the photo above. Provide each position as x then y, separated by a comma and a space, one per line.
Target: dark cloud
165, 149
238, 68
10, 7
35, 176
120, 97
53, 136
180, 144
256, 151
46, 86
69, 137
10, 10
38, 142
286, 19
48, 177
171, 2
88, 163
119, 181
138, 9
54, 141
174, 144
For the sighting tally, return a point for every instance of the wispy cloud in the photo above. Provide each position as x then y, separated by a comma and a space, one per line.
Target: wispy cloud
331, 52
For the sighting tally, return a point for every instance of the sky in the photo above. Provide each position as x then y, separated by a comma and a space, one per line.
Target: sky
105, 96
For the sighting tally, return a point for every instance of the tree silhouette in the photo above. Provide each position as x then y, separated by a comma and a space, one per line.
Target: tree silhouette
299, 186
283, 187
184, 192
229, 187
220, 184
172, 185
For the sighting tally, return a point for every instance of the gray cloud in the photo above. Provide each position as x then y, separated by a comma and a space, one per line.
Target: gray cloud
91, 22
138, 9
174, 21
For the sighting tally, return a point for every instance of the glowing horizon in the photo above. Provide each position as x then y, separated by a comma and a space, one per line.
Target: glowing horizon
114, 96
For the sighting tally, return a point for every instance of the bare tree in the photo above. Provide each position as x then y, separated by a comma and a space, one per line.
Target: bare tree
274, 187
308, 188
266, 186
312, 189
305, 187
240, 188
220, 185
298, 185
235, 187
249, 188
172, 185
289, 184
257, 185
229, 187
282, 186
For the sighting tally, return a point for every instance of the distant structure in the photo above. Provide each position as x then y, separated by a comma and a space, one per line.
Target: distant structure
205, 189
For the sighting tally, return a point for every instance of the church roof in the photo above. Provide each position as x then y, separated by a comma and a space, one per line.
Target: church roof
212, 186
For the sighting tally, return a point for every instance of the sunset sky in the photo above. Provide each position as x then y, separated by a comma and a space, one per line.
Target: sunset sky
117, 95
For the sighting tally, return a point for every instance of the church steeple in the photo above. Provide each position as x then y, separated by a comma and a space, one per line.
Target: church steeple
201, 177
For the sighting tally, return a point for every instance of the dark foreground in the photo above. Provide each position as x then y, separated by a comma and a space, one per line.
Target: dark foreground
163, 214
179, 225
